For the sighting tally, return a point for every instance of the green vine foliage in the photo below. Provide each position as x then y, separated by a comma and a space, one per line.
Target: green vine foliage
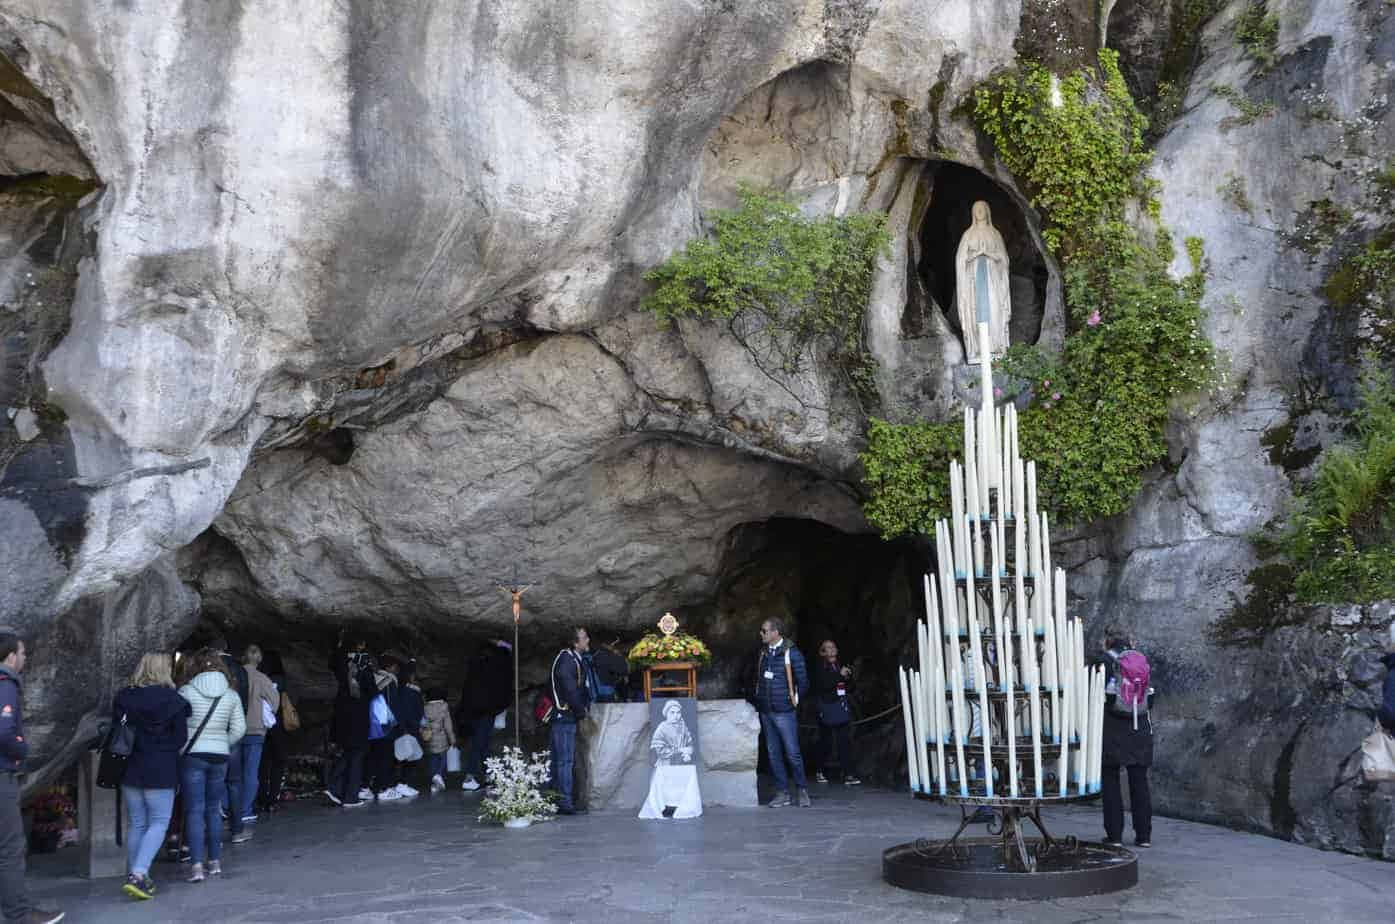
789, 287
906, 469
1095, 415
1341, 537
1257, 31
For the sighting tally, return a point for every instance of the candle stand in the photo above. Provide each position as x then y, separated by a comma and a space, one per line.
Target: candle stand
1002, 711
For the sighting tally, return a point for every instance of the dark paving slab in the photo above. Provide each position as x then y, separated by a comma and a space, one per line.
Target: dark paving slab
429, 860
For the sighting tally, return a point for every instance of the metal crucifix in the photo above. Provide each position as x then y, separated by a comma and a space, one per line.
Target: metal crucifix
515, 589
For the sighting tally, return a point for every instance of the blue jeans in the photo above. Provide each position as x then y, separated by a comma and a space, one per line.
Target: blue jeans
781, 744
149, 812
205, 782
480, 730
250, 754
563, 758
438, 764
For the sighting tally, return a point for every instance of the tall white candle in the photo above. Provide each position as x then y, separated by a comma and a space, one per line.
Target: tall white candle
923, 643
1062, 721
981, 686
956, 515
987, 432
1005, 464
907, 716
1092, 766
1050, 679
922, 722
1034, 683
1083, 700
1033, 524
935, 683
949, 610
1010, 712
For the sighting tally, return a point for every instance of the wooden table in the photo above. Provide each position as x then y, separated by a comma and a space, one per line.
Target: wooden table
687, 668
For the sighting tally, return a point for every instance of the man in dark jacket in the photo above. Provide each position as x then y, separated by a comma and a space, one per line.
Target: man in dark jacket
571, 691
781, 681
14, 896
1127, 747
353, 673
488, 692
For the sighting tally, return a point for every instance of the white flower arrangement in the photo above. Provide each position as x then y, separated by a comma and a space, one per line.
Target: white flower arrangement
517, 787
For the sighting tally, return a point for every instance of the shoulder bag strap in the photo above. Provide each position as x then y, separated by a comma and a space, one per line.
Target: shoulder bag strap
188, 746
789, 678
552, 678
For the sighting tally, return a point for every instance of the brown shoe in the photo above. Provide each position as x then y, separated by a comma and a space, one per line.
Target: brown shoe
43, 917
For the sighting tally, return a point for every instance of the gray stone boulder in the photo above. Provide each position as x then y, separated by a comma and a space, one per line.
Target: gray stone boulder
613, 754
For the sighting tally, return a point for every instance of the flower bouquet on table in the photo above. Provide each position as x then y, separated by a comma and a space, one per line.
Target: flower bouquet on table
657, 649
516, 797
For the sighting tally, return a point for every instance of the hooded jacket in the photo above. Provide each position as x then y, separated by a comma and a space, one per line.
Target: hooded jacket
409, 709
160, 718
442, 728
226, 725
13, 747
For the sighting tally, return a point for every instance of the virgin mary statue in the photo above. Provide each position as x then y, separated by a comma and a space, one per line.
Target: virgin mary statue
981, 286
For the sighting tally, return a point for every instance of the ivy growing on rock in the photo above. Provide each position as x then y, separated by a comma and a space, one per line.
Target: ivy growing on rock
788, 287
1095, 415
1257, 31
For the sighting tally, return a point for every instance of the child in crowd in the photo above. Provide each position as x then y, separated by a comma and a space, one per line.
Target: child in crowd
438, 734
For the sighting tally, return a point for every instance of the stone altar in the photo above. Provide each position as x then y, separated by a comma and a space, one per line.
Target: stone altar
613, 760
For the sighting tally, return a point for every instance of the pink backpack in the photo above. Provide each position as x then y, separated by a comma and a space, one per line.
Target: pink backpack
1134, 674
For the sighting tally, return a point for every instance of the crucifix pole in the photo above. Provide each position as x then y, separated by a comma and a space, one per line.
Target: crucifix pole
515, 592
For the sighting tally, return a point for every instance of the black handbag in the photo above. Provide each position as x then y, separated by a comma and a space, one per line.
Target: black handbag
116, 753
835, 713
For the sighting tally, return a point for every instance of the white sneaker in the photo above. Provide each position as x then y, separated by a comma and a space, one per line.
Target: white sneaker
406, 791
469, 785
387, 795
437, 784
365, 793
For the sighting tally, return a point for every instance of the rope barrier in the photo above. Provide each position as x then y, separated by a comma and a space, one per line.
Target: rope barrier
870, 718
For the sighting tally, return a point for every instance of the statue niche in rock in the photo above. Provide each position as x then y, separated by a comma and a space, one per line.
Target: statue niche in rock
981, 285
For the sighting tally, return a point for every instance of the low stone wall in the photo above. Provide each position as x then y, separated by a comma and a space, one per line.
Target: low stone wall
613, 754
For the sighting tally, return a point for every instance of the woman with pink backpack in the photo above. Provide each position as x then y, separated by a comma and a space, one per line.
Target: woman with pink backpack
1128, 740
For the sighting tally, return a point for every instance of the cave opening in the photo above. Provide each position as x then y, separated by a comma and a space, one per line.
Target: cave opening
949, 191
857, 590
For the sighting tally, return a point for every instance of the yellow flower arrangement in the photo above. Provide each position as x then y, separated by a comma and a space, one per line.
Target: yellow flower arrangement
655, 649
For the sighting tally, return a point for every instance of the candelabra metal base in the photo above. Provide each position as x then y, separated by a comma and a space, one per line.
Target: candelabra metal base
1008, 864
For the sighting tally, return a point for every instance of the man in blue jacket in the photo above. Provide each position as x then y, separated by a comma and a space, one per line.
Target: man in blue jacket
14, 897
781, 681
572, 695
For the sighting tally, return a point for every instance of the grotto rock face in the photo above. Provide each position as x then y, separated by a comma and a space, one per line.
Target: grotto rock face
329, 315
332, 244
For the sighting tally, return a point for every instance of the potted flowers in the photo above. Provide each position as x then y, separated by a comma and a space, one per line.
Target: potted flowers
516, 797
657, 649
55, 820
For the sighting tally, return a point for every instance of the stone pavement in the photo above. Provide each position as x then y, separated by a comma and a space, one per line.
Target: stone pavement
431, 861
